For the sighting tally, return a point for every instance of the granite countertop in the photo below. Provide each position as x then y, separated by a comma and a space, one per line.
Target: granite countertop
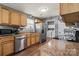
60, 48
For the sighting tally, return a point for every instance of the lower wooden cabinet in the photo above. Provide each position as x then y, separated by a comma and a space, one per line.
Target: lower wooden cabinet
6, 45
28, 42
32, 40
0, 50
37, 39
8, 48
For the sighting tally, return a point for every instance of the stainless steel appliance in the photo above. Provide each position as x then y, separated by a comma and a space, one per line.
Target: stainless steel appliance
77, 36
7, 31
43, 34
20, 43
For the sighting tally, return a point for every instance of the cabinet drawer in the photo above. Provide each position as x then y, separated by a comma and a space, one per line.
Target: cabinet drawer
7, 38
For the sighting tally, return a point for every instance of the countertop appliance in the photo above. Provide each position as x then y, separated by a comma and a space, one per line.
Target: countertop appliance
20, 43
7, 31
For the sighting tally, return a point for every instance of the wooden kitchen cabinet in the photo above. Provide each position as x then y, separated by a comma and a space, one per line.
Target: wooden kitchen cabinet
0, 48
0, 15
8, 47
12, 17
37, 37
15, 18
71, 18
23, 19
66, 8
32, 40
28, 41
5, 16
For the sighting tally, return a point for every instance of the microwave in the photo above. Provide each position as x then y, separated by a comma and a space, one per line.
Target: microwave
8, 31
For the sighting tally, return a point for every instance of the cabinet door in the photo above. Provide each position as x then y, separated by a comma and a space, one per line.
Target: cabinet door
5, 16
15, 18
37, 39
28, 41
0, 48
23, 20
8, 48
32, 40
0, 15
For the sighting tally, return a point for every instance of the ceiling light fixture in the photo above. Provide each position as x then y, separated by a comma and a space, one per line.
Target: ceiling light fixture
43, 9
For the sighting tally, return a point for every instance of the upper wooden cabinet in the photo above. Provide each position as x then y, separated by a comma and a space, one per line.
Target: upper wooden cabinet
12, 17
5, 16
71, 19
66, 8
15, 18
23, 20
0, 15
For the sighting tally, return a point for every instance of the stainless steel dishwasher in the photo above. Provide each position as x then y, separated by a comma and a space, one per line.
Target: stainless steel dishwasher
20, 43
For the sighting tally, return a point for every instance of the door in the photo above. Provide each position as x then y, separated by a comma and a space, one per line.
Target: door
15, 18
5, 16
8, 48
23, 20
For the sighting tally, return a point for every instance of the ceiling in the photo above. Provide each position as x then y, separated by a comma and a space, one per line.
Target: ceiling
34, 8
